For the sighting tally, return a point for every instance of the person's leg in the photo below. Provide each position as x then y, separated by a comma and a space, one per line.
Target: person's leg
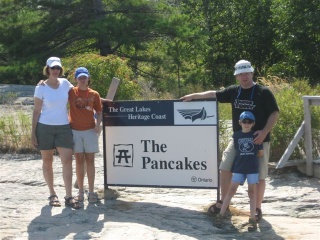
263, 173
237, 179
80, 160
252, 196
91, 146
225, 175
90, 170
227, 199
45, 135
225, 182
261, 186
225, 168
66, 160
253, 179
47, 159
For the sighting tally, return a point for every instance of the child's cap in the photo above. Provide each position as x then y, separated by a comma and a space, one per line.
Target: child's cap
81, 71
247, 115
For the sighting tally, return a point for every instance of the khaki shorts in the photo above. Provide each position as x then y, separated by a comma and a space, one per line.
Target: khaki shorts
85, 141
53, 136
229, 155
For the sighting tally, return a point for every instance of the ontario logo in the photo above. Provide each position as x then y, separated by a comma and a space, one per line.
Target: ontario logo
123, 155
194, 114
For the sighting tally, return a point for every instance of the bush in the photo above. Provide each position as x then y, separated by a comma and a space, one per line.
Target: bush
15, 132
289, 98
102, 70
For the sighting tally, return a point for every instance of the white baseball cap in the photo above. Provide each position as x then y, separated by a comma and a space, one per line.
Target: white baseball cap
243, 66
54, 61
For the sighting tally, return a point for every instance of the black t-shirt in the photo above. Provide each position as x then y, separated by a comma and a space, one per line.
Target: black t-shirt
257, 99
246, 160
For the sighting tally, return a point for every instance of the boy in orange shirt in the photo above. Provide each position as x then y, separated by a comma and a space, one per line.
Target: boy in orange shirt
84, 103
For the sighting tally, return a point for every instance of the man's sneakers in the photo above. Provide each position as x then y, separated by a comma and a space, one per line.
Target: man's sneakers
218, 220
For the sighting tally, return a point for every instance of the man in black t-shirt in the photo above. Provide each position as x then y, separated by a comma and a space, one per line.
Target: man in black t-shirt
247, 96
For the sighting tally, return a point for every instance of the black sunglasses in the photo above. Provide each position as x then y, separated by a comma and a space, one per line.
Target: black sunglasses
53, 68
247, 121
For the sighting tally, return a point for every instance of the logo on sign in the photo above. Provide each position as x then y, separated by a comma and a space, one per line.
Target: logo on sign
123, 155
194, 114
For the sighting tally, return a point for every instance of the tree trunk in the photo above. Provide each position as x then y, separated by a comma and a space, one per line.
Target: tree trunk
103, 44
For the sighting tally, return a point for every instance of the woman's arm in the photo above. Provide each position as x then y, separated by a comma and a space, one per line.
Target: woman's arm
35, 117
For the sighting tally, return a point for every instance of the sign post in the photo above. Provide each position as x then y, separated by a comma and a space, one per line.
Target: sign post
161, 143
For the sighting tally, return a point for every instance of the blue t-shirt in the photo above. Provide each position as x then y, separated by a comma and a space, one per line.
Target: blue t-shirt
246, 160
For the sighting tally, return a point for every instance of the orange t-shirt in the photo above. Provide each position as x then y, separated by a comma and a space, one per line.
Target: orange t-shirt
83, 103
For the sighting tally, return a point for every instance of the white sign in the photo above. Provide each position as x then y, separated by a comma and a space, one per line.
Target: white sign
161, 143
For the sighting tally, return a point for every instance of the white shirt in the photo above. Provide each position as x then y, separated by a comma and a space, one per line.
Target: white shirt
54, 103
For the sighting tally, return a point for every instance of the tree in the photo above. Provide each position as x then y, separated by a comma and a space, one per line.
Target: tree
38, 29
297, 28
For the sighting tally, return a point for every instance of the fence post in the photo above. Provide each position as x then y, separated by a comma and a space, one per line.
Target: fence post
308, 136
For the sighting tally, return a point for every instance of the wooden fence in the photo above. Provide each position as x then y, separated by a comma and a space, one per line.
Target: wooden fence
304, 130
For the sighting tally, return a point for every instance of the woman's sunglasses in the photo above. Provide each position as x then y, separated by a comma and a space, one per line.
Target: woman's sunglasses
53, 68
247, 121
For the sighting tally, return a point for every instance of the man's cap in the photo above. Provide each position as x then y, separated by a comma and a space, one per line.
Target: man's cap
54, 61
81, 71
243, 66
247, 115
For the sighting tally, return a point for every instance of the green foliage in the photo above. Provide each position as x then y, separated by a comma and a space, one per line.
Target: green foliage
8, 98
297, 38
102, 70
15, 128
27, 73
289, 98
168, 44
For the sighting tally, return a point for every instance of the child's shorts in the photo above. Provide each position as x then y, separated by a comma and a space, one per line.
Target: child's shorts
252, 178
229, 155
85, 141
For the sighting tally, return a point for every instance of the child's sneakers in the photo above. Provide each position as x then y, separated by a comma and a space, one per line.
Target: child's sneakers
252, 226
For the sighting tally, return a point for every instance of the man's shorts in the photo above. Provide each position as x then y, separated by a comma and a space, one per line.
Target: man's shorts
85, 141
229, 155
53, 136
252, 178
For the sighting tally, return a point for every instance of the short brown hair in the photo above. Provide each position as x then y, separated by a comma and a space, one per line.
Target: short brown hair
46, 71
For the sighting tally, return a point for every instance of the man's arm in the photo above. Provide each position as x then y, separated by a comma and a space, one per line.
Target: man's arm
201, 95
260, 135
35, 117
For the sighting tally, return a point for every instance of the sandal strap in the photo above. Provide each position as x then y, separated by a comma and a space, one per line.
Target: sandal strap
52, 196
75, 204
69, 198
92, 197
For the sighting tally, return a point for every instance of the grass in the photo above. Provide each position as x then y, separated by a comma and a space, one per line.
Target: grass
15, 129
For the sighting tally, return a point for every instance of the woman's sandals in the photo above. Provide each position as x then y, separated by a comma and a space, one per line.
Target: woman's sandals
93, 197
54, 201
80, 196
72, 202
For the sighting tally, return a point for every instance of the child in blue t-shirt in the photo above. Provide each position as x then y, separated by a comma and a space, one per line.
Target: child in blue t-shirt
245, 166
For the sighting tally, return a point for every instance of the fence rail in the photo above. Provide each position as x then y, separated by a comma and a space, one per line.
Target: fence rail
304, 130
